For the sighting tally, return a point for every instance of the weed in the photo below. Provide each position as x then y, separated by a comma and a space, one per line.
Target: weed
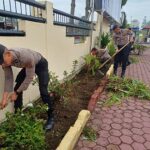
89, 134
133, 59
121, 88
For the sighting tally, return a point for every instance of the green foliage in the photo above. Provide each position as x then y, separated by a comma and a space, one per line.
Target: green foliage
92, 63
140, 48
120, 88
54, 84
23, 130
89, 134
133, 59
111, 48
105, 39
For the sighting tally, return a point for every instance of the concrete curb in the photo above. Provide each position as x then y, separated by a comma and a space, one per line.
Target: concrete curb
73, 134
110, 71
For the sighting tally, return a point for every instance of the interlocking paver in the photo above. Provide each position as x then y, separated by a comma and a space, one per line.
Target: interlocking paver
99, 148
114, 140
126, 126
138, 146
137, 131
104, 133
116, 126
112, 147
147, 145
89, 144
115, 132
147, 137
102, 141
126, 139
117, 120
137, 125
126, 132
126, 147
138, 138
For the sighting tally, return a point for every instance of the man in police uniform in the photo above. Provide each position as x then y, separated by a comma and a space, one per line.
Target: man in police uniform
31, 63
121, 37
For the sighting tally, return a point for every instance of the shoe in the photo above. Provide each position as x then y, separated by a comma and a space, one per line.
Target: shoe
115, 72
128, 63
123, 74
49, 124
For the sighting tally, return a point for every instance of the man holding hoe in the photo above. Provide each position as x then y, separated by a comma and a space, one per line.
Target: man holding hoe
31, 63
121, 37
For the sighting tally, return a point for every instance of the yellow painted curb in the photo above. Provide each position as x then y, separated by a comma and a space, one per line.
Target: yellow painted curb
73, 134
110, 71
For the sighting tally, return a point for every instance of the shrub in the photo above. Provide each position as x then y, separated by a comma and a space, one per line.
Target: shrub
111, 48
140, 48
92, 63
105, 39
23, 131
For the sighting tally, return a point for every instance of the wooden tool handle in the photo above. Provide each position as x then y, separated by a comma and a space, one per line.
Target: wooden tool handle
113, 56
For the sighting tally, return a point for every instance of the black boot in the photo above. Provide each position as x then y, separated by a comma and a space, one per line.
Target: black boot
50, 123
128, 63
115, 72
122, 74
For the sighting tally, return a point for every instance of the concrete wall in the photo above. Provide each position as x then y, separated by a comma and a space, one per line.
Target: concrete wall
51, 41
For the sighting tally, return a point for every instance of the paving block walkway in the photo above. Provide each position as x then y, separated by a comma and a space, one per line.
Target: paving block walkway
123, 127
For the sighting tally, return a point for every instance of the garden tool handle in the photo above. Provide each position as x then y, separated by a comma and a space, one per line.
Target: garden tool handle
113, 56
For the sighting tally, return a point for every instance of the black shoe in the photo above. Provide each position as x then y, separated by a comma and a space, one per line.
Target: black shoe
122, 74
115, 72
128, 63
49, 124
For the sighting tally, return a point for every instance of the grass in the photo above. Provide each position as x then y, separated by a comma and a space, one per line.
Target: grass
119, 88
89, 134
133, 59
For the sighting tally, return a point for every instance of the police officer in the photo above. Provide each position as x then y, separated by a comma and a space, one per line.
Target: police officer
31, 63
121, 37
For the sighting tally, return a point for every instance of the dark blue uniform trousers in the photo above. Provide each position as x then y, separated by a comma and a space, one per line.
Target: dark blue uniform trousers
41, 70
121, 57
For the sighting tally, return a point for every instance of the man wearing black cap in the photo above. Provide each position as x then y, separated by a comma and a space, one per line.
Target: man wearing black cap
121, 37
31, 63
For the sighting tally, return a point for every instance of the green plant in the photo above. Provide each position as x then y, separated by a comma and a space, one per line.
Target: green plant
54, 84
89, 133
23, 130
61, 89
121, 88
67, 85
133, 59
105, 39
140, 48
111, 48
92, 63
